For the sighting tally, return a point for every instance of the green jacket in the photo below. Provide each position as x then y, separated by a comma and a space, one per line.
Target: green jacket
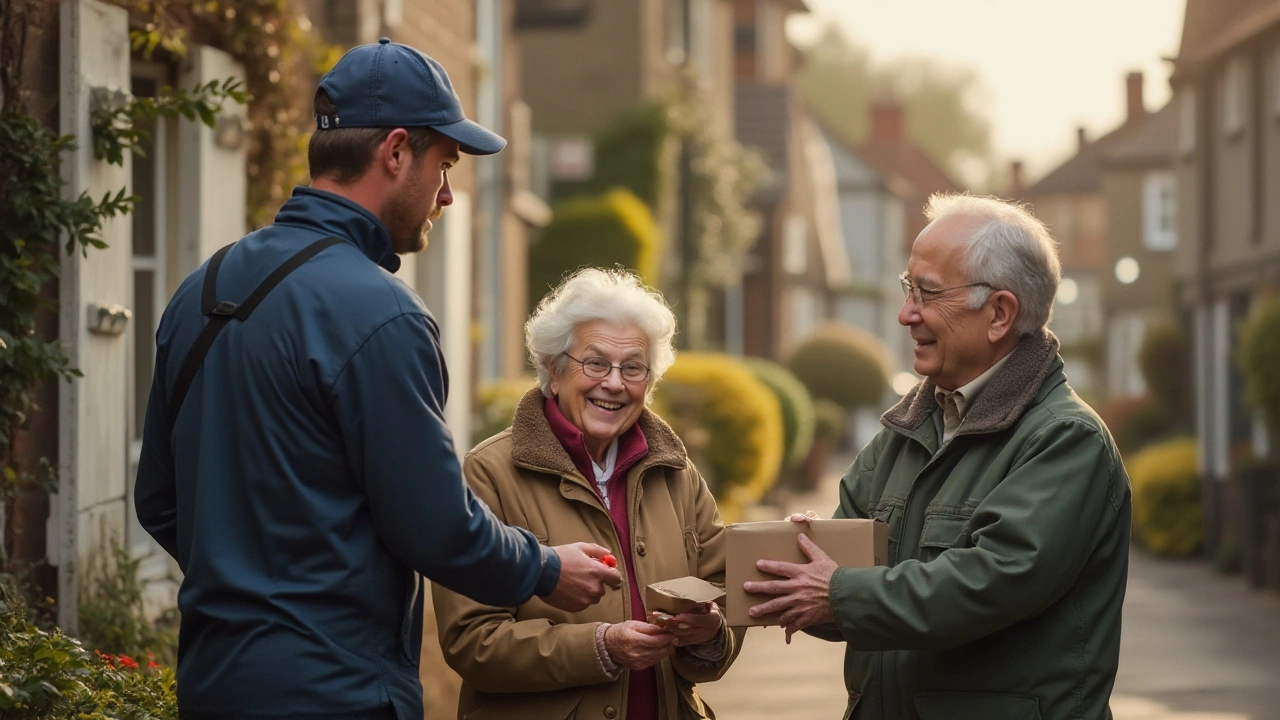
1008, 553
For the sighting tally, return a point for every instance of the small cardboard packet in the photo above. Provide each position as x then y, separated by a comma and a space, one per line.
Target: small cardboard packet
680, 595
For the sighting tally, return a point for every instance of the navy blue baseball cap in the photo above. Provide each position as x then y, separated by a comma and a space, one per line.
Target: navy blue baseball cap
393, 85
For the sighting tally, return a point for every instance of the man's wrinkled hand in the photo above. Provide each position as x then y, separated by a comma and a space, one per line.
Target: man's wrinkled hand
584, 578
803, 593
637, 645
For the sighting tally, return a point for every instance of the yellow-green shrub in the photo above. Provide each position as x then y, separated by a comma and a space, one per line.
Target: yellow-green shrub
730, 422
602, 231
1167, 517
843, 364
798, 420
495, 407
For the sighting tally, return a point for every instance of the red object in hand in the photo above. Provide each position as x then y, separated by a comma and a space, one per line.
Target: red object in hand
610, 560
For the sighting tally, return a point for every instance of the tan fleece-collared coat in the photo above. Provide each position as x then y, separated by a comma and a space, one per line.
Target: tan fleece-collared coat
534, 661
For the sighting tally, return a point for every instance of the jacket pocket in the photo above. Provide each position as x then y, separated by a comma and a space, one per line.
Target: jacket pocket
940, 533
976, 706
535, 706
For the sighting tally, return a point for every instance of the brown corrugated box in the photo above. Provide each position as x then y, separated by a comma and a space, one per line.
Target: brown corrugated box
851, 543
680, 595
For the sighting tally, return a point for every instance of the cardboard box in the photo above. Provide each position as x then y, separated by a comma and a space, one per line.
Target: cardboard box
851, 543
680, 595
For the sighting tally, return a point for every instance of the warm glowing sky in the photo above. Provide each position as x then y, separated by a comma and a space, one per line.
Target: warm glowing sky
1047, 65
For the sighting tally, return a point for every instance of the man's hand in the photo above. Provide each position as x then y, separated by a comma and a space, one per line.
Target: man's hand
804, 597
804, 517
583, 577
694, 628
637, 645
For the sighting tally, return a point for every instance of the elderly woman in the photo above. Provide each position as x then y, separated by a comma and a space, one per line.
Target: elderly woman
585, 460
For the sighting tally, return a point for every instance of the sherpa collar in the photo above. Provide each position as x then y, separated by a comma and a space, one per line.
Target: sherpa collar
1001, 403
534, 445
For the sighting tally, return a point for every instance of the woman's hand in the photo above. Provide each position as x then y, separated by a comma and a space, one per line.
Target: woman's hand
637, 645
695, 628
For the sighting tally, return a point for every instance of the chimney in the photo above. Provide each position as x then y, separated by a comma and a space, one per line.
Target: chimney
887, 126
1015, 180
1133, 93
1081, 140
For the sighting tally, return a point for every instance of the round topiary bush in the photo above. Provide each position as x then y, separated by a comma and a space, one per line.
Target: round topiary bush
1166, 498
843, 364
1165, 361
601, 231
798, 419
730, 422
1259, 347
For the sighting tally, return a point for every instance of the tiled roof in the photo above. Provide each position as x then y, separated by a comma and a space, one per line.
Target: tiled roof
1150, 142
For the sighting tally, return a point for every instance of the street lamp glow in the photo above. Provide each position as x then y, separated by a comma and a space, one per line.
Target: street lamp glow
903, 382
1068, 291
1127, 270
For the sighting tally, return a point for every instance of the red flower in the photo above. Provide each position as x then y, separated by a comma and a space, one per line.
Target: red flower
151, 660
106, 658
128, 662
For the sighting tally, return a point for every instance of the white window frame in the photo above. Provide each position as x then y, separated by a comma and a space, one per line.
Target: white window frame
1159, 211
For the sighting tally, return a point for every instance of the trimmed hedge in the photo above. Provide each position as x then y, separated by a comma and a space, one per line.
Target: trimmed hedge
1259, 347
603, 231
843, 364
798, 418
1167, 517
730, 422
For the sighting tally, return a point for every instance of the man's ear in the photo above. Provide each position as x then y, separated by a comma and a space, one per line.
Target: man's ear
1003, 315
394, 154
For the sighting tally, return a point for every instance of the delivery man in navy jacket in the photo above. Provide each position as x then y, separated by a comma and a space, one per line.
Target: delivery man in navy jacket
296, 461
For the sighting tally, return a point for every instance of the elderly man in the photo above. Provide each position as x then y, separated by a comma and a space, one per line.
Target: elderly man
1007, 505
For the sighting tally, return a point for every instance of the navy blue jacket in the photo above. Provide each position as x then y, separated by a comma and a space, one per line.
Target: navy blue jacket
309, 478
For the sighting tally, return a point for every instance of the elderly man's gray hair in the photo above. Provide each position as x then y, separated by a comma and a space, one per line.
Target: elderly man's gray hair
1011, 250
593, 294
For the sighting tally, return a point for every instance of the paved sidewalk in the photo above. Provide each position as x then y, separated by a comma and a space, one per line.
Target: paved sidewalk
1195, 646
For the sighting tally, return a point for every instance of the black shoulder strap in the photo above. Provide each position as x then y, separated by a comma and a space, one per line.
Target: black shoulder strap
221, 313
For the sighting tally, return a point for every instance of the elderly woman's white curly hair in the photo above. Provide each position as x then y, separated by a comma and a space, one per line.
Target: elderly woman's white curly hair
594, 294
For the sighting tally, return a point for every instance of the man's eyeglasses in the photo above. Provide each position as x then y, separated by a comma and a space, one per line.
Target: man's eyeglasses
921, 296
598, 368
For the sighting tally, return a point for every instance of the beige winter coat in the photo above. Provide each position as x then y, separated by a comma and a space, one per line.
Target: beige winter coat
535, 661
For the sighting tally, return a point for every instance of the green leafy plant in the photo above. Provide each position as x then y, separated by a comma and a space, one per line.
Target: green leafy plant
48, 675
112, 615
843, 364
119, 127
